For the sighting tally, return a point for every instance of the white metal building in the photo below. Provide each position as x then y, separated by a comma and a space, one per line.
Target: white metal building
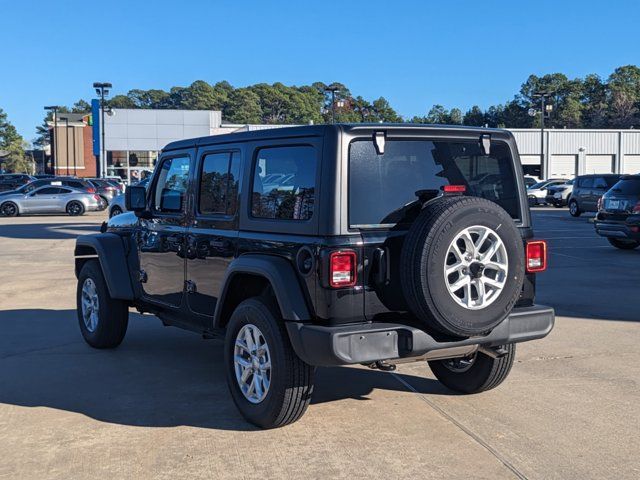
134, 137
569, 152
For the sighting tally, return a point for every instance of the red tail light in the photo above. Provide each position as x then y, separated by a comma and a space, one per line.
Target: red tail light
342, 269
636, 208
91, 190
97, 197
536, 256
454, 189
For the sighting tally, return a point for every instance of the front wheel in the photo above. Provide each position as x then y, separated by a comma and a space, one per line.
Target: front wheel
116, 210
269, 383
476, 373
574, 210
624, 244
103, 320
9, 209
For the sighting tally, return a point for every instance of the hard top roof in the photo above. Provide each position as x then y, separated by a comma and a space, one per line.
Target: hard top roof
320, 130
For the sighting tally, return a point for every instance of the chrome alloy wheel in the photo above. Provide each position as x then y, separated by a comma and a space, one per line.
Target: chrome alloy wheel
252, 363
476, 267
90, 305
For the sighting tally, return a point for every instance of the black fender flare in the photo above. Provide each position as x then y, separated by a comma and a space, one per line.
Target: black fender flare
110, 250
279, 273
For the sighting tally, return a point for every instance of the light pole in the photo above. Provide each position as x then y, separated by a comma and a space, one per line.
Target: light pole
102, 89
333, 89
54, 109
542, 95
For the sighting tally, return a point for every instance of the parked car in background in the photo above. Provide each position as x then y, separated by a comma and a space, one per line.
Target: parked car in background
43, 175
530, 181
105, 188
618, 217
11, 181
51, 199
54, 181
558, 195
537, 193
587, 190
117, 205
117, 181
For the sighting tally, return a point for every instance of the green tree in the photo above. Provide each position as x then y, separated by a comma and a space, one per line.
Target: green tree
8, 133
81, 106
624, 96
474, 117
13, 147
594, 100
243, 106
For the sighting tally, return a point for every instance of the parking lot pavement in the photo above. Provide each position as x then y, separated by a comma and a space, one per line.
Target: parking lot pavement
158, 406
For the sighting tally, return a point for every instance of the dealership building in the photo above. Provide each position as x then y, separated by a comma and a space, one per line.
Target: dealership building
569, 152
134, 137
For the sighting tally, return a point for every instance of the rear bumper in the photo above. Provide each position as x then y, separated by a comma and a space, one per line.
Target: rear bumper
622, 230
368, 342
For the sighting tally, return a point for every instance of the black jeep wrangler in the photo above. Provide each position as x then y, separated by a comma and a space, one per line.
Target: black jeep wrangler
326, 245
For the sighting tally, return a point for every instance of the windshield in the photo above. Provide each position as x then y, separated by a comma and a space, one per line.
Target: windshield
384, 189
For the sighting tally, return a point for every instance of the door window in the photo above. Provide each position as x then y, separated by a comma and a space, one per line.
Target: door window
171, 187
284, 181
48, 191
219, 181
600, 183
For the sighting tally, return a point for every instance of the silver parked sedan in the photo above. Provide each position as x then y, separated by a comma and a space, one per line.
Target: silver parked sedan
51, 199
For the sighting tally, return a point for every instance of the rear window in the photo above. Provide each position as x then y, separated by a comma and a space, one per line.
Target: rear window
382, 188
627, 186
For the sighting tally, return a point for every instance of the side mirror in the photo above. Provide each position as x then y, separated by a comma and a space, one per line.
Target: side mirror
135, 199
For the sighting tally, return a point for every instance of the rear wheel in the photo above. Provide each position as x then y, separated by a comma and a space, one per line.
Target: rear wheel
476, 373
9, 209
574, 210
624, 244
103, 320
269, 383
75, 208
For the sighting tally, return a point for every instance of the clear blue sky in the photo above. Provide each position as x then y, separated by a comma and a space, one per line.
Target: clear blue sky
414, 53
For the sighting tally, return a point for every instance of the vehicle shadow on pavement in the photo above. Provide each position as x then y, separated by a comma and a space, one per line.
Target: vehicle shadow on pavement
48, 231
158, 377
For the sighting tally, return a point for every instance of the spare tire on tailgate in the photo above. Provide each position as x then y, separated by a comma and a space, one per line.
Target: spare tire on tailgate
462, 265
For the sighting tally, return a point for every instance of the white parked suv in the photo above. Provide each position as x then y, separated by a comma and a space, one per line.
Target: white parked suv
538, 193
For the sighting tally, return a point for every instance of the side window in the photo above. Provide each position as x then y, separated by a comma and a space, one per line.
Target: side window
586, 182
219, 180
48, 191
171, 187
284, 183
600, 183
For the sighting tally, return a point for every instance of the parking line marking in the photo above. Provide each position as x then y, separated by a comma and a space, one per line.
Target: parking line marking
466, 430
